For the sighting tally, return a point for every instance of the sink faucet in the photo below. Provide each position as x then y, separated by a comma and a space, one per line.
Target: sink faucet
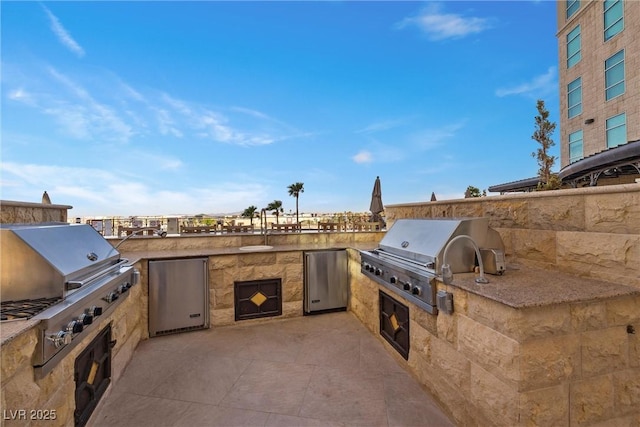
156, 231
447, 274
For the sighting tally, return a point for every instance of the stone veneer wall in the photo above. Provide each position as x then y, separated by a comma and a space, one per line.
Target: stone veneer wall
225, 269
569, 364
28, 213
593, 231
56, 391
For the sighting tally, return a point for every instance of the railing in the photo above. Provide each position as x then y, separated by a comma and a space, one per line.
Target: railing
149, 231
198, 229
285, 227
237, 229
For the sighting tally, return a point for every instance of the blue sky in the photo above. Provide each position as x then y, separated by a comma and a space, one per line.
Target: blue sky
149, 108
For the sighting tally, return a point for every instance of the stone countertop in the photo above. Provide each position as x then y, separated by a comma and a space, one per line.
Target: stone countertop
136, 256
12, 328
525, 287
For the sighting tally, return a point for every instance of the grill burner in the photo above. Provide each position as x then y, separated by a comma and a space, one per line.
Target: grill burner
25, 309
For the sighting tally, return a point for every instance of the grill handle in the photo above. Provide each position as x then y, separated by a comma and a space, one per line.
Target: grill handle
77, 284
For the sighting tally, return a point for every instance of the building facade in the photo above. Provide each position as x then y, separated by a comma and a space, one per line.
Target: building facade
599, 76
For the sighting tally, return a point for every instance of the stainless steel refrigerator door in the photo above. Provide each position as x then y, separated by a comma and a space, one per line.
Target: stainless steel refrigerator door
178, 295
326, 280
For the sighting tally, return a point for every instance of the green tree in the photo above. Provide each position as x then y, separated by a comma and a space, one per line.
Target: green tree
250, 213
276, 208
294, 191
473, 192
542, 134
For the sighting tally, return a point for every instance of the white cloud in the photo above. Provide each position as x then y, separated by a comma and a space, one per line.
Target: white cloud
111, 192
62, 34
439, 26
251, 112
21, 95
84, 117
91, 110
363, 157
166, 123
538, 86
428, 139
381, 126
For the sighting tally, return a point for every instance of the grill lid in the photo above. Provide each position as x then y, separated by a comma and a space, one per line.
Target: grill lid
38, 259
424, 240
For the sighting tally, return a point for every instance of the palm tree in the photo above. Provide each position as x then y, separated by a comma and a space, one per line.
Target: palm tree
276, 207
294, 191
250, 213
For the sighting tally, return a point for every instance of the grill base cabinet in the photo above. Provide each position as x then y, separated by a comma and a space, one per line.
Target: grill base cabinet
326, 281
178, 295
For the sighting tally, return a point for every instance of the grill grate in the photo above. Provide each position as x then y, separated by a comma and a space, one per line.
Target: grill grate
26, 308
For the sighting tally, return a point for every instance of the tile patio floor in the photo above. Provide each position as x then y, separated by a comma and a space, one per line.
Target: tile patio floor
323, 370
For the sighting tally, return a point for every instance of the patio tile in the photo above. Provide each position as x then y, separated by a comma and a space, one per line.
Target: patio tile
322, 370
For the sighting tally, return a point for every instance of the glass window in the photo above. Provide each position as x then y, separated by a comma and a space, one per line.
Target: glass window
613, 18
574, 97
572, 7
614, 75
575, 146
617, 130
573, 47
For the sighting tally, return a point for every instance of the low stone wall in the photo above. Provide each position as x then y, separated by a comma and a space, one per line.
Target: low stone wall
592, 231
190, 242
29, 213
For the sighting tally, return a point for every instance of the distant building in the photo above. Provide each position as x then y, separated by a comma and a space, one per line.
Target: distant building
599, 80
599, 71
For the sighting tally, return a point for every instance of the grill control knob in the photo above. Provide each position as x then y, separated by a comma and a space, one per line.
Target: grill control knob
95, 311
378, 272
406, 286
417, 290
60, 339
75, 327
86, 318
124, 287
393, 279
111, 297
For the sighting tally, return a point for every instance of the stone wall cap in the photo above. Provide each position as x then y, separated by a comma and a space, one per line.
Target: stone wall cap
567, 192
33, 205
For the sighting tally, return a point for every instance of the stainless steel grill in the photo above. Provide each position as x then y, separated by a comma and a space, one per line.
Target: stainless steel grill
64, 276
412, 254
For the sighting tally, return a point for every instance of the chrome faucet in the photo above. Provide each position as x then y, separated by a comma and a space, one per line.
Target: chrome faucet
447, 274
156, 231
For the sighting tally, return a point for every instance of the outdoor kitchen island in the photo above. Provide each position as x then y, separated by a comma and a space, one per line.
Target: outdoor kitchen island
532, 347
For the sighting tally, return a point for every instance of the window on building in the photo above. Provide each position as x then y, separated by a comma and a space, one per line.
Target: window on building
616, 130
614, 75
573, 47
574, 97
572, 7
613, 18
575, 146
